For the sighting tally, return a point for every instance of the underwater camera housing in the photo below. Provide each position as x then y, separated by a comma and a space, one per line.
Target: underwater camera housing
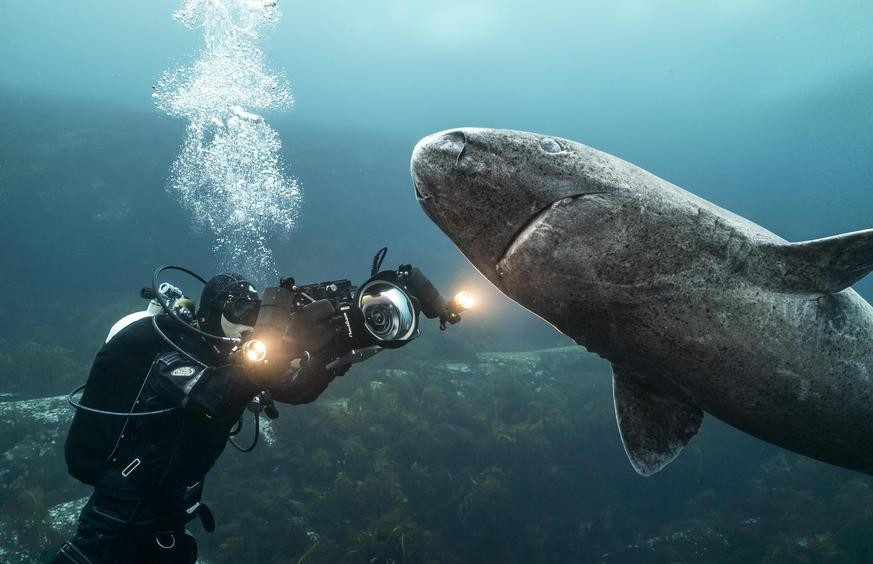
340, 323
381, 313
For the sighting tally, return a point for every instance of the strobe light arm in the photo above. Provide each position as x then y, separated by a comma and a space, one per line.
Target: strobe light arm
433, 305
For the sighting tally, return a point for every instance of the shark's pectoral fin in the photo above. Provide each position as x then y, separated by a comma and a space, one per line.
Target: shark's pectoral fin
655, 425
823, 266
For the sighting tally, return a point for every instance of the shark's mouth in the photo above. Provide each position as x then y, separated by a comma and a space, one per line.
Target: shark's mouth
421, 196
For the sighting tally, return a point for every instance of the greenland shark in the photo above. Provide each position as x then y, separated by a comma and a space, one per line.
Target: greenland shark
696, 308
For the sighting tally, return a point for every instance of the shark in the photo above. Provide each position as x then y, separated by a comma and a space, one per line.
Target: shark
697, 309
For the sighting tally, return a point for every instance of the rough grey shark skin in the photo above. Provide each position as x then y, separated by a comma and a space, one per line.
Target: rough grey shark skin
697, 309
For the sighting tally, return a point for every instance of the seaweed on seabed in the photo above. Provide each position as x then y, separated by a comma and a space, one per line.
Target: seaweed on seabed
35, 370
24, 520
486, 509
515, 461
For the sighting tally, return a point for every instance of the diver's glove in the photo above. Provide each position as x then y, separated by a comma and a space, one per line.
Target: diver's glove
260, 375
309, 330
313, 331
306, 382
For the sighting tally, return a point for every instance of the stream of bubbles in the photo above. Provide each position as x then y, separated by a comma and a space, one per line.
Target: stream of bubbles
229, 172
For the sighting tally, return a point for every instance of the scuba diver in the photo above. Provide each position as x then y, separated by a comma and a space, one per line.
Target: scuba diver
169, 387
147, 466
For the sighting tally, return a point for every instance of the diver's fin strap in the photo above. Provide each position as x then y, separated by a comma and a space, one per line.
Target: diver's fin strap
823, 266
179, 519
202, 511
655, 425
70, 553
189, 507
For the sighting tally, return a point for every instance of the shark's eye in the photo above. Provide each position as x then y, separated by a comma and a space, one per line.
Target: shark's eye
550, 145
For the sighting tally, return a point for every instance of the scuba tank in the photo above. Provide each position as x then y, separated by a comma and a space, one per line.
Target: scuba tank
116, 382
173, 295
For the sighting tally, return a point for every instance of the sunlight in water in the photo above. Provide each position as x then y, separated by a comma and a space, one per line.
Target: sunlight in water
229, 171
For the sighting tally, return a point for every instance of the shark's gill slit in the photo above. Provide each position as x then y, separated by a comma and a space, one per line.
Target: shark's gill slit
535, 218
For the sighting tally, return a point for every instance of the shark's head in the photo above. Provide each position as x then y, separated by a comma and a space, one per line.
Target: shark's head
487, 188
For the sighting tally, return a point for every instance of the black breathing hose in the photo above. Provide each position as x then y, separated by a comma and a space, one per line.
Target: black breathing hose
377, 261
238, 428
163, 301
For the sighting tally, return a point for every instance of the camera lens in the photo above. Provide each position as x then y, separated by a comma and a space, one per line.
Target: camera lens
379, 319
388, 313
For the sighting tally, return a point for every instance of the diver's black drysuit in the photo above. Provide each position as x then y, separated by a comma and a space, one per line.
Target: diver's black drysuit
148, 470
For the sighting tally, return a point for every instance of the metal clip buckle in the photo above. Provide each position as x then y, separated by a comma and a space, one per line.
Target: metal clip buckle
134, 464
172, 539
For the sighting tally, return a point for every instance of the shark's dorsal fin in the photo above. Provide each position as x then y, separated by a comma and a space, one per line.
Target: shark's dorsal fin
823, 266
655, 425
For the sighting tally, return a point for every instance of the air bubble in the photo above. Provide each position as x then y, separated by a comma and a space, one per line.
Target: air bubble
229, 173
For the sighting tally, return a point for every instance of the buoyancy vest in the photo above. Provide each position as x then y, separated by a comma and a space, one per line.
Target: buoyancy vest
175, 448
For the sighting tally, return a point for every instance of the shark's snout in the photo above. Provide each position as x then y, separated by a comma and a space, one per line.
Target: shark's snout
442, 146
433, 158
